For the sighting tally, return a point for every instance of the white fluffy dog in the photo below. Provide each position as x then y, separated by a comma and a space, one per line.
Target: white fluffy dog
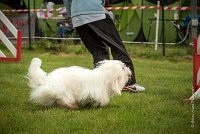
74, 87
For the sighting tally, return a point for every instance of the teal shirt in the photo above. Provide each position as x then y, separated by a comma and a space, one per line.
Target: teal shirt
85, 19
84, 7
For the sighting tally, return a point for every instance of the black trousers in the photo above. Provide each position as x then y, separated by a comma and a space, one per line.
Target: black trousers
98, 36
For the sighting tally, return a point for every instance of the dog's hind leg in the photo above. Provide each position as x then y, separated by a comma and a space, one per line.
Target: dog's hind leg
65, 104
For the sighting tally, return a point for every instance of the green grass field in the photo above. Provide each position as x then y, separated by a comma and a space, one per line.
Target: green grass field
159, 109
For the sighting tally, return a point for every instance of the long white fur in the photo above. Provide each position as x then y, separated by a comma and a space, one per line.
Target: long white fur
74, 87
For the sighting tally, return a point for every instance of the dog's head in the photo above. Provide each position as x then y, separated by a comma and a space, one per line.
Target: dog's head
116, 73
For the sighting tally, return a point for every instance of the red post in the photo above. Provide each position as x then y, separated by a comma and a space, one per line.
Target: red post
19, 45
196, 65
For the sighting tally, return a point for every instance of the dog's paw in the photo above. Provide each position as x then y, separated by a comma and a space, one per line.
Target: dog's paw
68, 105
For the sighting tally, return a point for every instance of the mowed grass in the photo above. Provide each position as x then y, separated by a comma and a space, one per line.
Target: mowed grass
159, 109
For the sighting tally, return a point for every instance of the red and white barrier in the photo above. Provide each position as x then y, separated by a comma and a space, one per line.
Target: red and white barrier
196, 69
108, 8
150, 7
16, 51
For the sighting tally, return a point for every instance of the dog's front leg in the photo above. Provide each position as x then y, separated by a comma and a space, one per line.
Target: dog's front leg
96, 104
69, 105
104, 102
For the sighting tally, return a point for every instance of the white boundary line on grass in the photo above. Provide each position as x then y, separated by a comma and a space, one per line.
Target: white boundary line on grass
127, 42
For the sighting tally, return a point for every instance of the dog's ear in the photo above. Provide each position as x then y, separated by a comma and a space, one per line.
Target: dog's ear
115, 86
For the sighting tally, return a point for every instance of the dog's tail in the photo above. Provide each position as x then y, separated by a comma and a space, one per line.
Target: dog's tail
35, 74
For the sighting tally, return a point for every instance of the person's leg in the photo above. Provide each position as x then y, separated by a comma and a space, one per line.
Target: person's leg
106, 30
59, 32
93, 43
